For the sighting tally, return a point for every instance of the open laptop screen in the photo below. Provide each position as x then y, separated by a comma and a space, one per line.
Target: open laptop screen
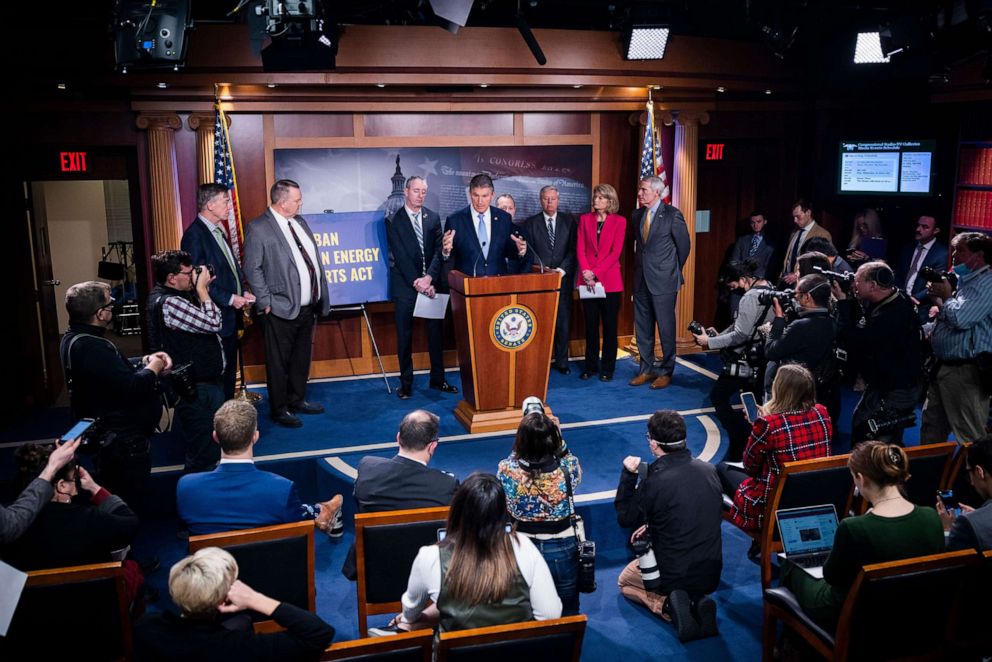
807, 530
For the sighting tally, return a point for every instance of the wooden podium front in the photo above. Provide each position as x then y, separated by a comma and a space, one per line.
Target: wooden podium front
505, 330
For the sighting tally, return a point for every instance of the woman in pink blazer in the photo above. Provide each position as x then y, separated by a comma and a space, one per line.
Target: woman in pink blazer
599, 247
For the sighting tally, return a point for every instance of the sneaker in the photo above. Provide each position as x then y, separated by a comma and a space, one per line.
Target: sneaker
706, 616
385, 631
680, 607
329, 516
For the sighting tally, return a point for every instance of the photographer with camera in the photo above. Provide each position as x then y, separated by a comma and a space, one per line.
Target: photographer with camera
677, 507
880, 327
184, 321
808, 340
103, 384
961, 337
740, 349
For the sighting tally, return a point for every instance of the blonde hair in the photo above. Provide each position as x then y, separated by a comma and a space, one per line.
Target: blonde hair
873, 222
610, 194
792, 390
200, 582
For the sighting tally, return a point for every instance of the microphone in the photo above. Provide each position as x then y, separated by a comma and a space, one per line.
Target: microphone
530, 249
476, 264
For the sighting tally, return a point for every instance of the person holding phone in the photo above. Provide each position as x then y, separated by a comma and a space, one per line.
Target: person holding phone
970, 527
18, 516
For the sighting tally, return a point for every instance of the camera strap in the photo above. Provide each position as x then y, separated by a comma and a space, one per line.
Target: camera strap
576, 522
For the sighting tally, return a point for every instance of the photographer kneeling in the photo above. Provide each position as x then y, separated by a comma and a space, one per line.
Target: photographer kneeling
187, 325
740, 350
678, 508
884, 332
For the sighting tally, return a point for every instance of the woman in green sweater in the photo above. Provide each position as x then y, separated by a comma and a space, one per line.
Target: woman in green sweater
893, 529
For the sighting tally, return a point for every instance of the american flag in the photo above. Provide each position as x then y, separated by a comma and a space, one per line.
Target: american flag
652, 162
224, 174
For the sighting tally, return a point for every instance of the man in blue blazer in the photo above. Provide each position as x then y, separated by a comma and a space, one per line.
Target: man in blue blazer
925, 252
237, 494
207, 243
483, 239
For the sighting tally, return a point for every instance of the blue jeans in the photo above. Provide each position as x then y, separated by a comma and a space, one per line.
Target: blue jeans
562, 557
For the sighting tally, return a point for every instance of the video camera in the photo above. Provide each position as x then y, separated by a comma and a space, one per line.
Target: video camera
843, 278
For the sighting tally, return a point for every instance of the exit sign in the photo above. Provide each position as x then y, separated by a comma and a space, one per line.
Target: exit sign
73, 161
714, 152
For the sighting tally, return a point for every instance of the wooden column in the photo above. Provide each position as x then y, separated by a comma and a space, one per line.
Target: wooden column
684, 181
203, 124
167, 222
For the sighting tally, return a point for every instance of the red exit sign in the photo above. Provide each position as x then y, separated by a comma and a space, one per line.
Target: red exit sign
714, 152
73, 161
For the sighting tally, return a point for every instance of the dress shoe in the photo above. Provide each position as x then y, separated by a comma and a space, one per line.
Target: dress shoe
679, 606
403, 393
329, 518
641, 379
565, 370
587, 374
661, 382
706, 616
605, 378
445, 387
304, 407
285, 419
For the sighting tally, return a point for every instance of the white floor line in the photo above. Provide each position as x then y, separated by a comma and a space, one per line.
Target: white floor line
701, 370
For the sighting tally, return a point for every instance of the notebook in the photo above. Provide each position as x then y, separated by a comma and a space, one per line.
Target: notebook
807, 535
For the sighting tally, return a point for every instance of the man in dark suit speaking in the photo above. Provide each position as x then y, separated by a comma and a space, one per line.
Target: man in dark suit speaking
207, 243
482, 238
926, 252
283, 268
415, 268
552, 237
661, 247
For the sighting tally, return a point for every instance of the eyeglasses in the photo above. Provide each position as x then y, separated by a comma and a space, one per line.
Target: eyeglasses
108, 305
186, 273
648, 437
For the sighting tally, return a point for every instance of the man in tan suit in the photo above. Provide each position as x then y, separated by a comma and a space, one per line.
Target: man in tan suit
806, 229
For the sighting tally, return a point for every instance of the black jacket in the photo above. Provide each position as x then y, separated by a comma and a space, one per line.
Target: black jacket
681, 502
808, 340
888, 348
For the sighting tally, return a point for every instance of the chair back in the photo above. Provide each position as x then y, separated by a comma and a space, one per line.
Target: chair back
556, 640
417, 646
972, 635
804, 483
275, 560
79, 611
903, 609
386, 543
930, 467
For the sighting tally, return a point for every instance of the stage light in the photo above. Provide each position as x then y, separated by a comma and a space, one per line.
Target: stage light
780, 39
869, 49
151, 35
646, 42
303, 35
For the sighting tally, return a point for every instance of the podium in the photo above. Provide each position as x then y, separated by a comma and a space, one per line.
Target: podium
505, 329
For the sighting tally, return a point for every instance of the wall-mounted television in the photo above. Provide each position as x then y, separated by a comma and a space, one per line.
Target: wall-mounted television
886, 167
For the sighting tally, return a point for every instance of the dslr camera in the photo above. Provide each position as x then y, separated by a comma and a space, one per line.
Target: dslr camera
745, 365
844, 279
786, 299
180, 382
931, 275
696, 329
531, 405
209, 268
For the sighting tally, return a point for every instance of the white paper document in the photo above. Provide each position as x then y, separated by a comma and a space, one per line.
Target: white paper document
432, 309
12, 580
598, 292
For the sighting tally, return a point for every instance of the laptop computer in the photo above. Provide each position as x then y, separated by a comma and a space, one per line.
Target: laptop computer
807, 536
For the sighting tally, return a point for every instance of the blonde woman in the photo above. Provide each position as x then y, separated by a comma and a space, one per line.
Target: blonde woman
867, 239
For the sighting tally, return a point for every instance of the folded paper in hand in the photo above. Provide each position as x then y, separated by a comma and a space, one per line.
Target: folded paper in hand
597, 292
429, 308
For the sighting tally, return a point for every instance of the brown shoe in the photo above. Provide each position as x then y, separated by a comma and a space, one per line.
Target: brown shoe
641, 379
661, 382
328, 510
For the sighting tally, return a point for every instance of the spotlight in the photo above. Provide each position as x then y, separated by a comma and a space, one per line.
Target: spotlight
151, 35
721, 89
646, 42
304, 36
161, 86
869, 49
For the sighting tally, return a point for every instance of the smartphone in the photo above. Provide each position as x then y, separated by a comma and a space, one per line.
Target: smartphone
948, 499
78, 429
750, 405
441, 533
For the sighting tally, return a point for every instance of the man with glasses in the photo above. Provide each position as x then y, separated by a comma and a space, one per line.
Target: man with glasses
972, 527
123, 394
207, 242
184, 320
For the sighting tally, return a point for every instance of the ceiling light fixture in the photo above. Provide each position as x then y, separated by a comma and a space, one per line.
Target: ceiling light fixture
721, 89
646, 42
162, 86
62, 86
869, 49
380, 85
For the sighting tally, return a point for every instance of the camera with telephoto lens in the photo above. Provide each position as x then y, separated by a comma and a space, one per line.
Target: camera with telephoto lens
696, 329
647, 563
746, 364
931, 275
532, 404
180, 381
843, 278
587, 566
786, 299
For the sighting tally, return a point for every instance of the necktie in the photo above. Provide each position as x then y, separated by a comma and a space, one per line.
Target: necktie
551, 233
755, 240
314, 285
915, 266
646, 226
226, 250
419, 231
483, 237
794, 252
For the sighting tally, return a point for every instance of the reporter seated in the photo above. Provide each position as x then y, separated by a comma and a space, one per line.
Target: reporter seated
972, 528
18, 516
491, 576
204, 500
206, 589
893, 529
68, 532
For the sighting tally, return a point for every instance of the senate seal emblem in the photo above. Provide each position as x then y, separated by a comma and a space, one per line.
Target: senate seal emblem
513, 327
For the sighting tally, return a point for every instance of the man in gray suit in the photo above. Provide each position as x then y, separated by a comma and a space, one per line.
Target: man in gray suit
553, 236
972, 527
661, 247
283, 268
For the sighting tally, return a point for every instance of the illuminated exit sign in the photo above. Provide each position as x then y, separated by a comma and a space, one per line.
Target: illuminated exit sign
73, 161
714, 152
